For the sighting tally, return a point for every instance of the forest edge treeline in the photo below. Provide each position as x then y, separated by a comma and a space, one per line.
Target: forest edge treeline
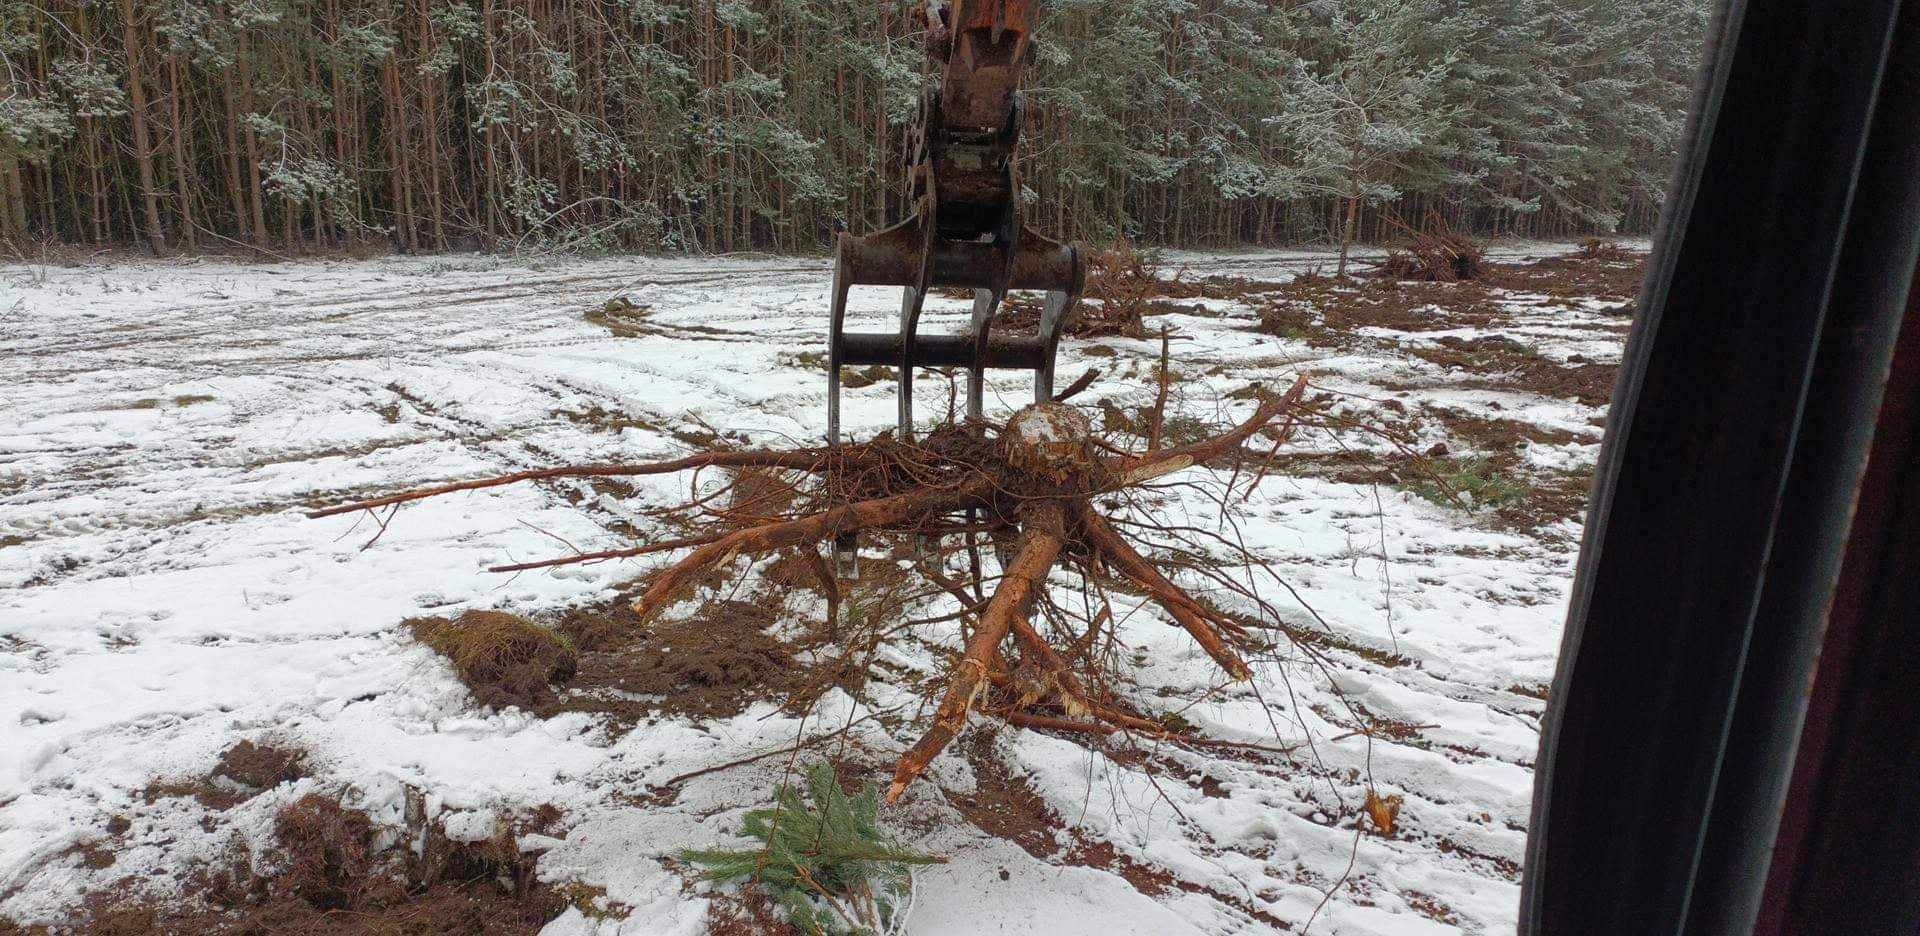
724, 125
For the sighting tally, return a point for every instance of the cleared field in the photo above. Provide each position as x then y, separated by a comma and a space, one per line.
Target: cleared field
162, 599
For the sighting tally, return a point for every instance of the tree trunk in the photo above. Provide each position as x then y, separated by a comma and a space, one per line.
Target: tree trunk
1346, 232
142, 146
13, 196
252, 146
185, 179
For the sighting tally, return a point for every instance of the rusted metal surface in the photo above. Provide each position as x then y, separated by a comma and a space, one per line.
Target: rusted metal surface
965, 229
1008, 352
889, 259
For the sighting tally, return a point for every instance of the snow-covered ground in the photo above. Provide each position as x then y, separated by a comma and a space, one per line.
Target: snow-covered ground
162, 597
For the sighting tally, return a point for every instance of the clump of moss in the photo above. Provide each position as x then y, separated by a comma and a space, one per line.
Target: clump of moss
504, 659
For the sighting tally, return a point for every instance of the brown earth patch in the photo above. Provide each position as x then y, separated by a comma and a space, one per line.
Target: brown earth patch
1522, 367
600, 627
1611, 278
1006, 806
326, 876
1498, 435
622, 318
1324, 311
1123, 287
243, 772
262, 766
710, 665
750, 912
1430, 907
1551, 498
1507, 867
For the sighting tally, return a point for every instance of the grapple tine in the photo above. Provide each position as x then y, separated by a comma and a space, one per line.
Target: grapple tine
985, 302
911, 300
837, 296
1053, 319
846, 547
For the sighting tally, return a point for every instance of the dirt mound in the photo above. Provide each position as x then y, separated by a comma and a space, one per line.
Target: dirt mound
328, 875
329, 855
262, 766
503, 658
710, 665
599, 627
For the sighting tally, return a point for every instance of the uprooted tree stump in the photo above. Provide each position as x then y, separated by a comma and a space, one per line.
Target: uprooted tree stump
1436, 254
1029, 486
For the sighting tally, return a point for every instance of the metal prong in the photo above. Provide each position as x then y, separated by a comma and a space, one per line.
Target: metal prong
910, 301
835, 327
1052, 319
984, 301
846, 557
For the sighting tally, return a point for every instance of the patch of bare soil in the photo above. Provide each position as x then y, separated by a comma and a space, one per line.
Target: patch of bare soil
1608, 276
596, 628
725, 656
1545, 498
1123, 287
262, 766
1490, 434
710, 665
1518, 366
244, 771
504, 659
327, 875
1550, 499
1325, 311
1005, 806
1482, 468
1432, 908
750, 912
622, 317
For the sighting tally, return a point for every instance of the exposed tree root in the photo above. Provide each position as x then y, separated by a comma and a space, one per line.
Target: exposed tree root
1040, 545
1029, 485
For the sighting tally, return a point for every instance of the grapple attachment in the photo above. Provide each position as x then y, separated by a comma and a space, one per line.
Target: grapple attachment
965, 229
